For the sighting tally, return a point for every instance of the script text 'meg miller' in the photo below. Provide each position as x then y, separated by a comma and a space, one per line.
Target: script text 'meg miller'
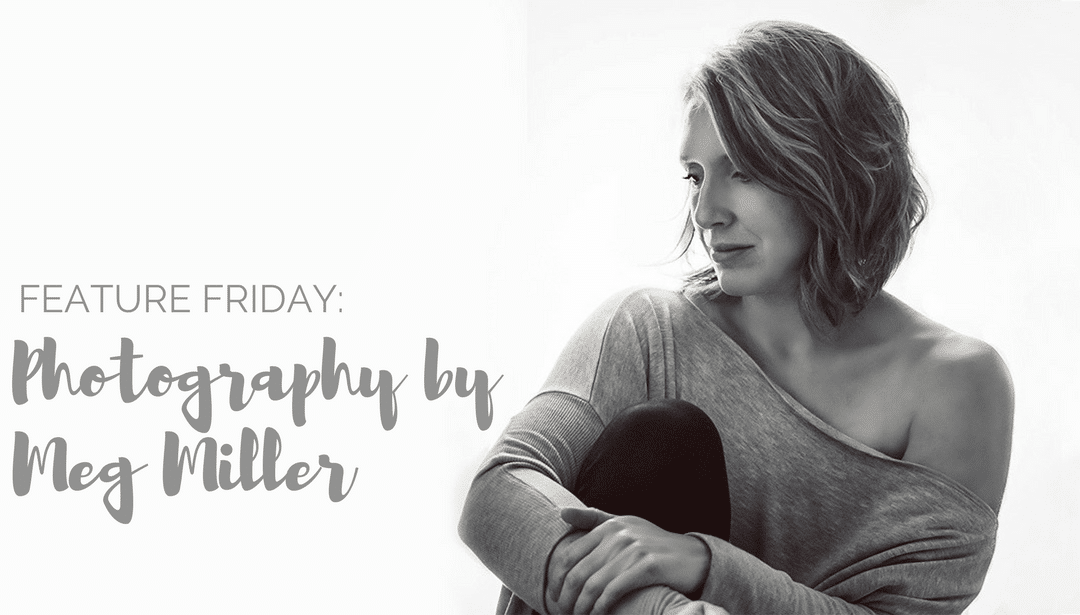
176, 298
218, 472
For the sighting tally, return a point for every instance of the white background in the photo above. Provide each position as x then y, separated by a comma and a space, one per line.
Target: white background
484, 173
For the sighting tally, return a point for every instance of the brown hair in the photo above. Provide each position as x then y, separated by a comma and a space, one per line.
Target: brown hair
803, 113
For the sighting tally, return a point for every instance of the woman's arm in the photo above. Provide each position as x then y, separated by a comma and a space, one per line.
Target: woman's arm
609, 556
511, 518
735, 581
512, 513
937, 574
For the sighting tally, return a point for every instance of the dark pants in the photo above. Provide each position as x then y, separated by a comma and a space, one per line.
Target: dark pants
663, 461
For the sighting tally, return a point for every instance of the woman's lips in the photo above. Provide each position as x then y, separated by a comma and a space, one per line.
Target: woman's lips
728, 252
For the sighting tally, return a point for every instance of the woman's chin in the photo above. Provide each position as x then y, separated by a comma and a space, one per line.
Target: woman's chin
742, 284
729, 283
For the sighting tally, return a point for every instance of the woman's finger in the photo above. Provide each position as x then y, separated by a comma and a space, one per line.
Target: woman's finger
584, 518
636, 576
567, 554
597, 585
587, 580
572, 549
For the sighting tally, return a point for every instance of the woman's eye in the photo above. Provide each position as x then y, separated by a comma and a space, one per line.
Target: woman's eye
694, 181
740, 176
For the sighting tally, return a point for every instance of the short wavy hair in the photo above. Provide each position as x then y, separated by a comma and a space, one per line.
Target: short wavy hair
806, 115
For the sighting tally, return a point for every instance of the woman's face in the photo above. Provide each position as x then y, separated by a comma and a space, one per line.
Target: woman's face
757, 238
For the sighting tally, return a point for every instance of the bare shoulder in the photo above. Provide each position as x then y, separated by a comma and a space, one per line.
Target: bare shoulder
963, 401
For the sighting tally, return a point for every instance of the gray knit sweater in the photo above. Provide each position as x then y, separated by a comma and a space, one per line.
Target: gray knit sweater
820, 523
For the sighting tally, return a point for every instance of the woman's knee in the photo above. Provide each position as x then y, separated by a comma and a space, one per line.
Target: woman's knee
653, 458
664, 422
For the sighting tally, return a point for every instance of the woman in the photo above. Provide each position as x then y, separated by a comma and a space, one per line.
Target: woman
781, 436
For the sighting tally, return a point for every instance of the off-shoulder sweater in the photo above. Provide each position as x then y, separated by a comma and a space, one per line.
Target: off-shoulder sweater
820, 523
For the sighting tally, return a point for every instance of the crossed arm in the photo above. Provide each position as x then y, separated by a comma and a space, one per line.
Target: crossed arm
609, 556
514, 520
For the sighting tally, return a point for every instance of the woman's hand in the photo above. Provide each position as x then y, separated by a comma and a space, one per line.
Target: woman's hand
590, 572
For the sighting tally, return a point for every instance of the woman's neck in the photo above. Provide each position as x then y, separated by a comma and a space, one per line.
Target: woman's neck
773, 325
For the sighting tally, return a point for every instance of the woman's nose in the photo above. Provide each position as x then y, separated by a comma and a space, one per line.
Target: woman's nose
711, 208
